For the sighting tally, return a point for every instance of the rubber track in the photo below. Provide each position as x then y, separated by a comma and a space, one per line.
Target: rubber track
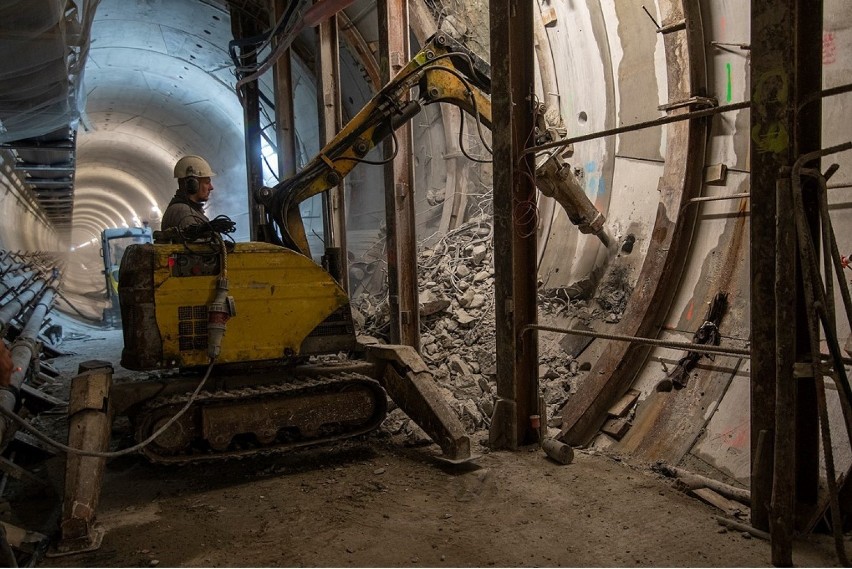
294, 386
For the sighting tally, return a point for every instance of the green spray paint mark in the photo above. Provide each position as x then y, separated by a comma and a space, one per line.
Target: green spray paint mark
728, 92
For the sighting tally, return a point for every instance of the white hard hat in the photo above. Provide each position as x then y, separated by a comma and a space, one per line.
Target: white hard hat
193, 166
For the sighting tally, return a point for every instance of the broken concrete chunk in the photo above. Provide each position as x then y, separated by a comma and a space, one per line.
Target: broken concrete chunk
478, 254
432, 304
367, 340
558, 451
463, 318
483, 384
471, 411
466, 299
487, 405
478, 301
480, 276
462, 271
457, 365
360, 319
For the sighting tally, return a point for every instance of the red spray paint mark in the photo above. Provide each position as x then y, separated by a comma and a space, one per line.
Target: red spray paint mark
739, 438
689, 310
829, 48
723, 24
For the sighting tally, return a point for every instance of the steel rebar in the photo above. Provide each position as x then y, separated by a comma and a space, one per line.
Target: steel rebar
706, 348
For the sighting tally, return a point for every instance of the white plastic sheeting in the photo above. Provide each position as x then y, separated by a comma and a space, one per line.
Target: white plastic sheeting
44, 44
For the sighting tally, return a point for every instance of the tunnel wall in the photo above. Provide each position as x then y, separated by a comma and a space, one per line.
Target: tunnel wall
23, 226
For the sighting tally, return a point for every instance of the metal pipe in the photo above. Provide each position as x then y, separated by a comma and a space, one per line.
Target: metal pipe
639, 126
744, 195
23, 350
25, 281
14, 307
692, 347
675, 118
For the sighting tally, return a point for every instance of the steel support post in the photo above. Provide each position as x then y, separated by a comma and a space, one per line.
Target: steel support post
399, 187
285, 130
786, 69
243, 26
807, 128
782, 504
515, 220
331, 121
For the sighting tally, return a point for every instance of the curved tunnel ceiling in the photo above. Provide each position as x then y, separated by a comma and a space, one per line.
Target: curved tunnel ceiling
155, 93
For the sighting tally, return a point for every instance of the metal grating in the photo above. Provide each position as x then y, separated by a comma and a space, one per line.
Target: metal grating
192, 328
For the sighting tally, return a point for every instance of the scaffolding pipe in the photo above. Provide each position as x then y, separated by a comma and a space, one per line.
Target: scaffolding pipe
12, 267
14, 307
25, 281
23, 351
690, 346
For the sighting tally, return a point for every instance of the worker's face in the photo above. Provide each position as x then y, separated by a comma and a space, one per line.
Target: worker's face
205, 186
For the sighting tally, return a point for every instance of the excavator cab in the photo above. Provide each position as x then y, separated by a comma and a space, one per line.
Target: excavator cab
114, 242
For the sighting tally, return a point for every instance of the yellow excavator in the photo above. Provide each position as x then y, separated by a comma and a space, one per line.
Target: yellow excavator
280, 307
254, 313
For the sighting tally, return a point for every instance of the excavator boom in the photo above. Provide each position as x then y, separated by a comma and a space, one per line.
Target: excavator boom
444, 71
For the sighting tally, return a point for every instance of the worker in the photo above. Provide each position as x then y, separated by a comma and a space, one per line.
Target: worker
194, 175
5, 365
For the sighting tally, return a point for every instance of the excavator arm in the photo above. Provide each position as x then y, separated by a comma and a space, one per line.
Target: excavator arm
444, 71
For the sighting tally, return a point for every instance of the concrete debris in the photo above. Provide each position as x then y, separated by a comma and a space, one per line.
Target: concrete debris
558, 451
458, 339
430, 303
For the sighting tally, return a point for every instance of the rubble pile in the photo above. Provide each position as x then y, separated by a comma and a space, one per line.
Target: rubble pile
456, 278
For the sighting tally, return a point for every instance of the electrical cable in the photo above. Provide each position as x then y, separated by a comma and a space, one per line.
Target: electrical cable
462, 148
105, 454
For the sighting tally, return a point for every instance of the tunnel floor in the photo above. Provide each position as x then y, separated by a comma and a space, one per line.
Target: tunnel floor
380, 501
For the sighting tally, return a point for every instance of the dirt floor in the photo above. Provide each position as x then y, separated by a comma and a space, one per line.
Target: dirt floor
377, 502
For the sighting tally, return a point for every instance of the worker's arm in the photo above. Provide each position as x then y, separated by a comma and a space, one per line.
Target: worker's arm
5, 365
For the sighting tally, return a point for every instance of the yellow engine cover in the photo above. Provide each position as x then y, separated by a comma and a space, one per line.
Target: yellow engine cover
280, 298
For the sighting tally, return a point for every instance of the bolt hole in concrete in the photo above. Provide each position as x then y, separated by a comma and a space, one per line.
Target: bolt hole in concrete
582, 117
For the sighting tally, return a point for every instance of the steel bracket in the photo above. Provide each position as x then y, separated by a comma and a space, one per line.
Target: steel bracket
408, 381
